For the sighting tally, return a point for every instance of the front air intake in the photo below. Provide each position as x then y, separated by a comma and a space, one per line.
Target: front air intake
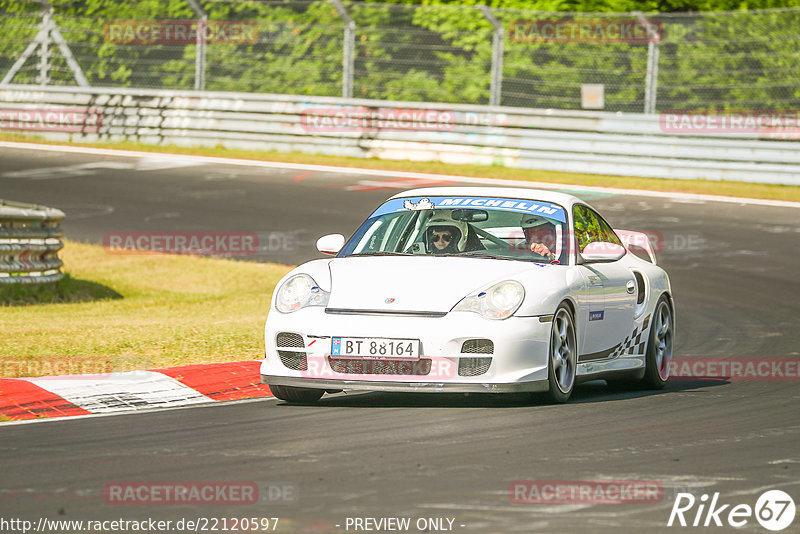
473, 366
292, 359
290, 339
477, 346
420, 367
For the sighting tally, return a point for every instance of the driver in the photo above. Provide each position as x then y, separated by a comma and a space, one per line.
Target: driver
445, 235
540, 235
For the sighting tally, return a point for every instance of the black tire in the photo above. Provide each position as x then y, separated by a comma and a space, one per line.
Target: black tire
659, 346
562, 356
293, 394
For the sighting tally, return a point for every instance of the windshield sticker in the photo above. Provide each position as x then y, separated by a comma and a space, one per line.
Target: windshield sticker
424, 204
547, 209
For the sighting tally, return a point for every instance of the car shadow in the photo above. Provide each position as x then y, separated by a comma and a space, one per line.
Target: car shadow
601, 391
589, 392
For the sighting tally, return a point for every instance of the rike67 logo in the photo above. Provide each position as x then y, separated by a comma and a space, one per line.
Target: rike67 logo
774, 510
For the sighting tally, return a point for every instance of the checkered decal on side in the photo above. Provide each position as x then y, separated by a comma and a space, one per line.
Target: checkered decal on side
634, 344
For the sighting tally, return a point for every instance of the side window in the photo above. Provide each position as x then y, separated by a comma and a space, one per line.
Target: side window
591, 227
579, 213
609, 236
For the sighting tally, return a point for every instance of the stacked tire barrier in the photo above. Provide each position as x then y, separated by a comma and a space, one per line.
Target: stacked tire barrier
30, 238
593, 142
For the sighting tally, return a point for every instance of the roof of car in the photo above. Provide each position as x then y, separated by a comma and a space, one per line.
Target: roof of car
525, 193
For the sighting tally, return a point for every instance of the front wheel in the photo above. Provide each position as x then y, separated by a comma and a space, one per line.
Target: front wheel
293, 394
659, 346
563, 356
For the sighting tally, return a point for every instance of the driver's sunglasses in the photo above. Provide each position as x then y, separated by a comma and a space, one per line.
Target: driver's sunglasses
447, 237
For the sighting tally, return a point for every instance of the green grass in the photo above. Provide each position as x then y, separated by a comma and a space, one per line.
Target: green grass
124, 312
711, 187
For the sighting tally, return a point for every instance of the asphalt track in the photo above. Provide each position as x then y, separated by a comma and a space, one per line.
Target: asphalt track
733, 269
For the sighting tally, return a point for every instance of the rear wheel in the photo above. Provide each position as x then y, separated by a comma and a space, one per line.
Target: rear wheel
293, 394
563, 356
659, 346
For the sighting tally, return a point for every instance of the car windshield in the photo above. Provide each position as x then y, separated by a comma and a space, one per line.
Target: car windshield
493, 227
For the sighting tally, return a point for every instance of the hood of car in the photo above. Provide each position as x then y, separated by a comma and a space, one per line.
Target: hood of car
412, 283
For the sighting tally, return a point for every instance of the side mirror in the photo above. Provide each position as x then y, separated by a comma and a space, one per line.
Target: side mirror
330, 244
602, 252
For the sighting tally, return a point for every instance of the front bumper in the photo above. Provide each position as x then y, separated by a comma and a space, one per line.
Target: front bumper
414, 387
518, 361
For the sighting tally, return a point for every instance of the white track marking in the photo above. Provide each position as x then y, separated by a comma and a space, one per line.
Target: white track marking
156, 163
121, 391
68, 171
401, 174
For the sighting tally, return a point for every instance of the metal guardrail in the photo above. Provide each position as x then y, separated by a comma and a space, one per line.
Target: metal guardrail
30, 238
631, 144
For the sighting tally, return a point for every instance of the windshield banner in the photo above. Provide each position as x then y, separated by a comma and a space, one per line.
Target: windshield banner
516, 205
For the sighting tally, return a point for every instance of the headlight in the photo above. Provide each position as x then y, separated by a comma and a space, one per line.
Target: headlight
298, 292
498, 302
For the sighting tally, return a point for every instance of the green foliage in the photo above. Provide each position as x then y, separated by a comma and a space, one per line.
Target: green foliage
436, 50
589, 228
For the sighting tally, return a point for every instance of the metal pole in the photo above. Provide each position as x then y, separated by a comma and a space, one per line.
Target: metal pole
349, 49
200, 53
200, 57
651, 77
48, 30
67, 53
495, 91
44, 49
22, 59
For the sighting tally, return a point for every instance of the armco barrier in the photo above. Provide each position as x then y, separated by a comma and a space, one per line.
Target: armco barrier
30, 238
629, 144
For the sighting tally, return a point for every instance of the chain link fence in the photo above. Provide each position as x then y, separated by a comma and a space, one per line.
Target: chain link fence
629, 62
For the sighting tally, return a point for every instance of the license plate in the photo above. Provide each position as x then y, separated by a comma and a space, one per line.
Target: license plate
374, 347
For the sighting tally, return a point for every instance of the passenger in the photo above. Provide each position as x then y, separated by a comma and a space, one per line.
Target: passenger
540, 235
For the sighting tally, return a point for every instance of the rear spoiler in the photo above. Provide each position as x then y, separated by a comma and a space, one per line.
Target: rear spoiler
637, 239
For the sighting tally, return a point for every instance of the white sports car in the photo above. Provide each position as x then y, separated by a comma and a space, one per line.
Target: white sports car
459, 289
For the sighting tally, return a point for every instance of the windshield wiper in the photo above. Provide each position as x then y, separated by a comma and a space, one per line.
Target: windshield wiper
478, 254
380, 254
